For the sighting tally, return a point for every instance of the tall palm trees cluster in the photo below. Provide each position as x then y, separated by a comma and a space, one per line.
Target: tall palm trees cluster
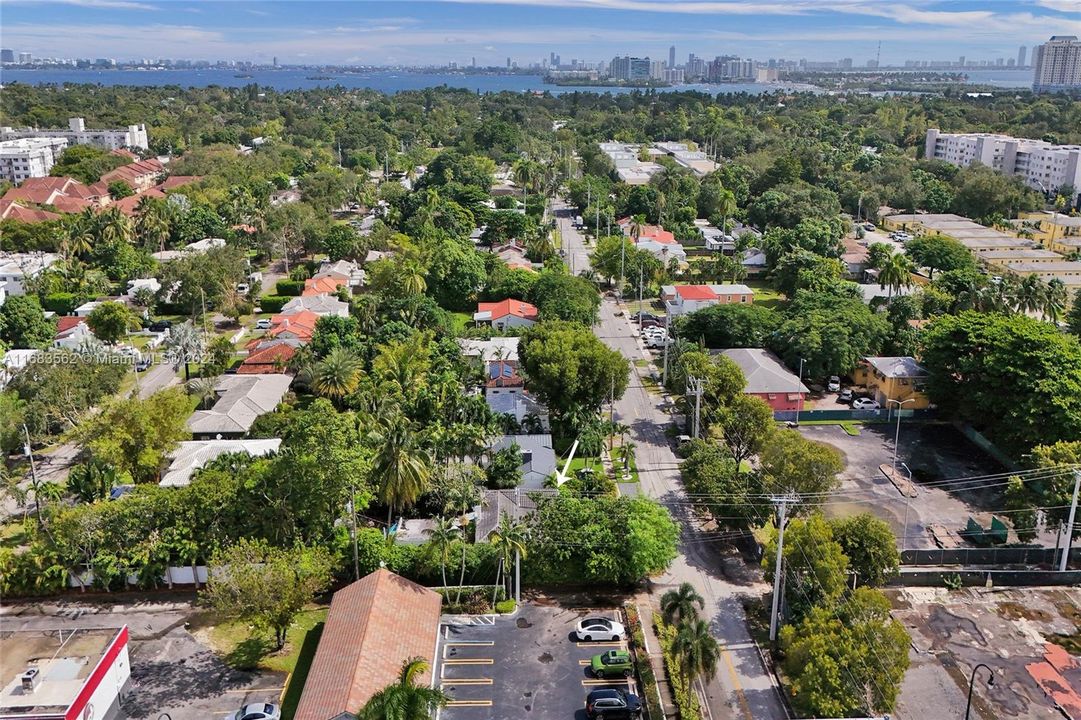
693, 647
1008, 294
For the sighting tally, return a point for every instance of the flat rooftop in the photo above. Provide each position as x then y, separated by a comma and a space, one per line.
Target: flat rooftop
1020, 255
64, 660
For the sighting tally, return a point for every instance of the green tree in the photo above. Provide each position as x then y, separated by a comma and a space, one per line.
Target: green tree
849, 661
12, 415
504, 468
791, 463
455, 273
134, 435
118, 190
560, 296
1073, 317
442, 537
815, 566
680, 604
870, 547
23, 323
570, 369
830, 331
729, 326
938, 252
895, 274
1015, 377
747, 426
264, 585
696, 648
111, 321
93, 481
511, 538
407, 699
400, 466
337, 375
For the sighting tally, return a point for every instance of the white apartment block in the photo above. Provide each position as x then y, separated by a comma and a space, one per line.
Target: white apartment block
1042, 166
133, 136
29, 157
1057, 64
16, 268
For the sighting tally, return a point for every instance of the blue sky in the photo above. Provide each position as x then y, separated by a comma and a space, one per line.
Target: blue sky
406, 32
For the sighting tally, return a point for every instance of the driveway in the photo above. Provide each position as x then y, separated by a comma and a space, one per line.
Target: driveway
742, 687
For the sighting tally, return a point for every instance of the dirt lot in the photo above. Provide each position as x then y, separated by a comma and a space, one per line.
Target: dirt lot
1007, 629
934, 452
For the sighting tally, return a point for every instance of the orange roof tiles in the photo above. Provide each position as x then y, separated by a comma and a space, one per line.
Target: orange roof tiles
15, 211
510, 306
134, 172
63, 324
322, 285
374, 625
268, 359
696, 292
300, 324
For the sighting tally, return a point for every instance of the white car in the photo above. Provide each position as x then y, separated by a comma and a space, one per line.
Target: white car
657, 341
865, 404
257, 711
834, 385
598, 628
262, 324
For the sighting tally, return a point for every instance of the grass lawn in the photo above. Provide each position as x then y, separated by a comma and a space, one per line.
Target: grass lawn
244, 648
13, 535
461, 321
852, 427
617, 461
580, 463
765, 295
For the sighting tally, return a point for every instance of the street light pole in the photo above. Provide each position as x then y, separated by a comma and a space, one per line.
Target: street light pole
799, 395
897, 433
972, 682
908, 504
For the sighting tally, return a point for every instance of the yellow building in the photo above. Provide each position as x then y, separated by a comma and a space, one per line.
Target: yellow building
1053, 230
893, 378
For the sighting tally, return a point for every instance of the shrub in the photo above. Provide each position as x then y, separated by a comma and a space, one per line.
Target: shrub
686, 700
61, 303
273, 303
291, 288
505, 606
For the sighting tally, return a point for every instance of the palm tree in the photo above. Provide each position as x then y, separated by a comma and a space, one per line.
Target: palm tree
1030, 295
510, 537
1055, 300
152, 222
114, 226
184, 345
441, 539
696, 649
678, 605
402, 468
726, 205
412, 278
83, 233
204, 389
896, 273
638, 223
337, 375
405, 699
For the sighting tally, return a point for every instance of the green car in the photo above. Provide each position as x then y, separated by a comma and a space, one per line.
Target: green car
611, 664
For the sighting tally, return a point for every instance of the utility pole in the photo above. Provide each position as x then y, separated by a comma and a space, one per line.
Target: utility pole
782, 504
612, 416
639, 299
667, 342
33, 473
1065, 559
622, 259
694, 387
799, 395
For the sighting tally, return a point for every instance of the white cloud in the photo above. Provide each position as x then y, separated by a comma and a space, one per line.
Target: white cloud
1064, 6
102, 4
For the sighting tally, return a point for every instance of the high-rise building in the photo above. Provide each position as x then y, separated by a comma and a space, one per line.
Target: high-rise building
961, 61
508, 62
25, 58
133, 136
29, 157
7, 55
473, 61
672, 56
629, 68
1021, 54
1057, 64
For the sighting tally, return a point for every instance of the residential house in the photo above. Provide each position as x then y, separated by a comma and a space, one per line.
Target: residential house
350, 274
16, 268
13, 361
769, 379
516, 503
299, 326
538, 457
655, 240
318, 304
322, 285
191, 455
268, 358
140, 175
72, 333
240, 400
1067, 271
1054, 230
897, 378
514, 255
134, 286
506, 314
484, 351
972, 235
521, 406
754, 262
10, 210
198, 247
373, 627
872, 291
86, 308
683, 299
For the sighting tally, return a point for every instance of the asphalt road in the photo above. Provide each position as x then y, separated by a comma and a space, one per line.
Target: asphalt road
742, 687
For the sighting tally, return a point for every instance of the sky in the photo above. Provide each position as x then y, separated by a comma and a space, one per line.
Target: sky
404, 32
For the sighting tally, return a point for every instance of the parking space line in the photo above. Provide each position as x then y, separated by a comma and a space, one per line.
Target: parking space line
256, 690
470, 642
469, 703
451, 682
613, 643
470, 661
585, 662
610, 681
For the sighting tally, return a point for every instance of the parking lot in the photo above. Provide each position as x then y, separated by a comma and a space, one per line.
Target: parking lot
528, 665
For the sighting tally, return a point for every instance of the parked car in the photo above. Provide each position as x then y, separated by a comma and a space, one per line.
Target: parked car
598, 628
834, 385
262, 324
611, 704
657, 340
865, 404
160, 325
869, 227
613, 663
257, 711
649, 321
845, 396
243, 288
142, 364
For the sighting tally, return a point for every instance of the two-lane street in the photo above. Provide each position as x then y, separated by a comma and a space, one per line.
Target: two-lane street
742, 688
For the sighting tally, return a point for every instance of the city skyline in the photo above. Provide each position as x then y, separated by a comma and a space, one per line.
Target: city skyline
527, 31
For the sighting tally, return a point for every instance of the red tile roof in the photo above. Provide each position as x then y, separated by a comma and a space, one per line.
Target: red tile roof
130, 204
267, 359
657, 234
124, 152
322, 285
373, 626
69, 204
36, 194
696, 292
14, 211
68, 322
301, 324
134, 173
510, 306
174, 181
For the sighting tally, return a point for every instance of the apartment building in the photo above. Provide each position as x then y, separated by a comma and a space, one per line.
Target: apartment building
1041, 165
1057, 64
26, 158
132, 136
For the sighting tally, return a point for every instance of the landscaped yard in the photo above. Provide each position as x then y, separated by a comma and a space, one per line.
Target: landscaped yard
765, 295
461, 321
